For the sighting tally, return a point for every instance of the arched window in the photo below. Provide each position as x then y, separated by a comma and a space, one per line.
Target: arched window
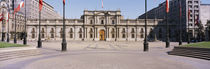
52, 32
113, 22
71, 33
142, 33
91, 33
33, 33
123, 33
151, 33
91, 21
43, 36
61, 33
80, 33
113, 33
102, 21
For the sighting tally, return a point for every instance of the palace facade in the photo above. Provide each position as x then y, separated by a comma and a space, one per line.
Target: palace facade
98, 26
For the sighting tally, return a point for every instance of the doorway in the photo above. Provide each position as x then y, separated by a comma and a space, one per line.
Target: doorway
102, 35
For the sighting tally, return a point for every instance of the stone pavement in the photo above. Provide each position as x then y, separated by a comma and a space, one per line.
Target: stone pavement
104, 55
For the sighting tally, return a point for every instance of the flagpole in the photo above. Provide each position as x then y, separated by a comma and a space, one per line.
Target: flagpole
39, 37
2, 38
8, 23
180, 24
15, 40
64, 30
167, 27
188, 33
146, 47
25, 34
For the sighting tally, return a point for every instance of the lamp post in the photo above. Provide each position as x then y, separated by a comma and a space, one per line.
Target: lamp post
180, 24
25, 34
15, 40
3, 34
188, 33
8, 23
64, 31
167, 26
145, 40
39, 37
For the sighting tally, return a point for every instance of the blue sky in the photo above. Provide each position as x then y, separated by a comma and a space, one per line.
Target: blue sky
129, 8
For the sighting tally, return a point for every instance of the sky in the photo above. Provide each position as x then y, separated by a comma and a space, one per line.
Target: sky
130, 9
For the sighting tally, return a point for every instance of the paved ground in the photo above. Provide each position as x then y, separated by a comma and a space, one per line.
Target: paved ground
103, 55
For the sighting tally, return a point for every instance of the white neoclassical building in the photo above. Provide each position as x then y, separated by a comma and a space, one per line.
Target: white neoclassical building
98, 26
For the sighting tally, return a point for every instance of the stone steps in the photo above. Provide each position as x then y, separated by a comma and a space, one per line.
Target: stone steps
200, 53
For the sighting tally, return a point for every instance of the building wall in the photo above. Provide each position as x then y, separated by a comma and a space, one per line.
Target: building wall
9, 26
32, 11
115, 27
174, 14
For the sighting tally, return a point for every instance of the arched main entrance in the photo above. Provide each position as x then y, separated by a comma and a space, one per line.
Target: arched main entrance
102, 35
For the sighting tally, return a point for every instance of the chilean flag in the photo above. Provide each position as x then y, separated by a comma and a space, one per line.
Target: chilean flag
20, 5
167, 6
2, 17
189, 13
40, 4
64, 2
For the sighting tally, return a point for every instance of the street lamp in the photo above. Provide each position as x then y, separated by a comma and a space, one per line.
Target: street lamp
25, 34
145, 40
8, 23
180, 24
167, 26
64, 44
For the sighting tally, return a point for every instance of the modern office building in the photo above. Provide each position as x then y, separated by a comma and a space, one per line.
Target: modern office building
32, 12
174, 15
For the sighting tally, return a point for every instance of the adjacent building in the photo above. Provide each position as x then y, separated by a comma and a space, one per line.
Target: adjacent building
8, 26
32, 12
174, 15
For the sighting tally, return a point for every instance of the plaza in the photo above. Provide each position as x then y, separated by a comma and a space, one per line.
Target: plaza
103, 39
103, 55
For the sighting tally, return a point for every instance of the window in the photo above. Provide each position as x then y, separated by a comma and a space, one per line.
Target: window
91, 35
43, 36
33, 33
123, 36
113, 22
80, 35
142, 35
61, 33
112, 35
132, 31
91, 21
102, 21
71, 35
52, 33
133, 36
